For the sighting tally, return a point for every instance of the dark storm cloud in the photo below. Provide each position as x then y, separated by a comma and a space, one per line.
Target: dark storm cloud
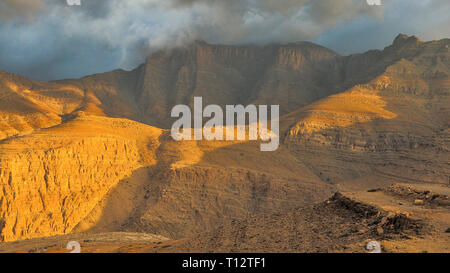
47, 39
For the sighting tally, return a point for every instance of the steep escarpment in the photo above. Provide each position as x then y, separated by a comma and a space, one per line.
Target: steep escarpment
291, 75
395, 126
49, 181
288, 75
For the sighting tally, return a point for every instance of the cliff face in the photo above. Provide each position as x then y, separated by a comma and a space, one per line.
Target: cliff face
286, 75
289, 75
52, 180
292, 76
48, 192
395, 126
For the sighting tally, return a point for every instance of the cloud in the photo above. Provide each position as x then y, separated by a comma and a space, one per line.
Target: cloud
427, 19
101, 35
24, 9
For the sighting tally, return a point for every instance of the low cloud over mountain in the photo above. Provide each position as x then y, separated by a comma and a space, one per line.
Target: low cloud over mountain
100, 35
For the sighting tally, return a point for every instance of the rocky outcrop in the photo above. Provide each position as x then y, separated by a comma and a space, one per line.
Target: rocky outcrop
51, 181
48, 192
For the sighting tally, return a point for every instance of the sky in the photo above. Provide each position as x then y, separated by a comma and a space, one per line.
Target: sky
49, 39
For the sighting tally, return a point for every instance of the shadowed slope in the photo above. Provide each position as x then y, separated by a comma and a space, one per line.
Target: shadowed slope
197, 185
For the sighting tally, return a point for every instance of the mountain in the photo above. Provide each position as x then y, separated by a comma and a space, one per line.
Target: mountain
394, 126
95, 154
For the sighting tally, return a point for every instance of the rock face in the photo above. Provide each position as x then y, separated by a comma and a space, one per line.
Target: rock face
50, 181
396, 125
288, 75
77, 155
61, 190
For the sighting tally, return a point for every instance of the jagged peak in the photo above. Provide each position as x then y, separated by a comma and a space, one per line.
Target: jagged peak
403, 39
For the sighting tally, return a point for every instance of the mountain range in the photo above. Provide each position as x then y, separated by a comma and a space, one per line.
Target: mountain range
94, 155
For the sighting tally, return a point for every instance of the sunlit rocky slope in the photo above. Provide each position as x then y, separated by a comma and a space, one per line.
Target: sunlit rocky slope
94, 154
395, 125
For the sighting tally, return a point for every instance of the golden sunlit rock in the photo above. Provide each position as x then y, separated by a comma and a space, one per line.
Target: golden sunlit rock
94, 155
